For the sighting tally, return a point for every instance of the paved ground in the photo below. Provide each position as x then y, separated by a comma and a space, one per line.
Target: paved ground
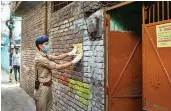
13, 98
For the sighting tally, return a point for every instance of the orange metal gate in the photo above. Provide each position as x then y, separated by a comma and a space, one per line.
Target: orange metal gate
124, 71
157, 57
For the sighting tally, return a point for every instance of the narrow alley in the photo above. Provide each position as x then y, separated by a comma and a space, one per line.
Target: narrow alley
86, 55
13, 98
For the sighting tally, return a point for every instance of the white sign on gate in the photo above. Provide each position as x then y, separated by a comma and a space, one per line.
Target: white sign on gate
163, 33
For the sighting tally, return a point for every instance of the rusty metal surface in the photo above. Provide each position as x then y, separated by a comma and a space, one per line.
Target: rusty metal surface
156, 71
127, 104
159, 11
119, 5
156, 61
125, 71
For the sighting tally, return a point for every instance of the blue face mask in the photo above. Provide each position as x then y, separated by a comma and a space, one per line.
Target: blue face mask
46, 48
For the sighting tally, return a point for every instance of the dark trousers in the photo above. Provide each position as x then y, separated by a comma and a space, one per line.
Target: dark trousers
10, 78
10, 70
16, 68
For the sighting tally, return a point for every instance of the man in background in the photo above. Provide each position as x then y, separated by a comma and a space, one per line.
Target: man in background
16, 64
10, 64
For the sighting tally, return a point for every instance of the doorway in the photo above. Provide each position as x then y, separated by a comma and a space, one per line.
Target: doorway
124, 58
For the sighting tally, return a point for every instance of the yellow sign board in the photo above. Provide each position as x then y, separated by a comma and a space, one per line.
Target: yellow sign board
163, 35
79, 47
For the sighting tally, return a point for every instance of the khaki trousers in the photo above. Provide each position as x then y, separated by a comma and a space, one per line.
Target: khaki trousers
43, 98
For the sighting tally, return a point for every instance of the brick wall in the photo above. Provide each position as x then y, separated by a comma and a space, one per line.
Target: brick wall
94, 67
80, 87
32, 26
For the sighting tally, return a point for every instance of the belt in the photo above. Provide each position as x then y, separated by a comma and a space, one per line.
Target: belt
49, 83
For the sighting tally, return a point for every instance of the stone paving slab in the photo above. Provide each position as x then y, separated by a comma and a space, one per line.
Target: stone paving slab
13, 97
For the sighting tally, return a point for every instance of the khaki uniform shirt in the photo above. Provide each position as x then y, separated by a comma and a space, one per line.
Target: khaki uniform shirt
44, 65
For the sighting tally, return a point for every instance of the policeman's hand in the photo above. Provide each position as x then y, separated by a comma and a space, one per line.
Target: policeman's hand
73, 51
77, 58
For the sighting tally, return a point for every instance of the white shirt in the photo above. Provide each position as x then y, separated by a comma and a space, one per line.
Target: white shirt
16, 59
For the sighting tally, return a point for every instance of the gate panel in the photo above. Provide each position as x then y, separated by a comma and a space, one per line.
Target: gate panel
157, 72
156, 59
125, 71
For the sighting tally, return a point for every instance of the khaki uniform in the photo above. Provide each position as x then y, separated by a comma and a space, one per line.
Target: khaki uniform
43, 96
